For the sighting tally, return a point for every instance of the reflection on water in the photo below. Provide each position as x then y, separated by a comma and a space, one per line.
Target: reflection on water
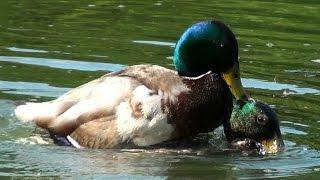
109, 67
48, 47
158, 43
50, 160
290, 88
31, 89
26, 50
316, 60
64, 64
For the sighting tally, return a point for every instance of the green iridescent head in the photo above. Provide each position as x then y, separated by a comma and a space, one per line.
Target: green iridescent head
205, 46
210, 46
257, 121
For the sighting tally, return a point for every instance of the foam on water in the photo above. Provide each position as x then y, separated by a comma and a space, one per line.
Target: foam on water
35, 139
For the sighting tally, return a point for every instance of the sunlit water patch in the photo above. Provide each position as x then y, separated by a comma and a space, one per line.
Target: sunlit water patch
97, 66
316, 60
275, 86
157, 43
15, 49
63, 64
31, 88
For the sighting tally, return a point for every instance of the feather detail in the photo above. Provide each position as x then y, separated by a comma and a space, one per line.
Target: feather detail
141, 105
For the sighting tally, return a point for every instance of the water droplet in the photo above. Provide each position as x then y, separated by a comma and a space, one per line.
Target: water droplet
158, 4
269, 44
307, 44
248, 45
121, 6
50, 25
273, 106
267, 171
235, 168
287, 92
91, 5
245, 50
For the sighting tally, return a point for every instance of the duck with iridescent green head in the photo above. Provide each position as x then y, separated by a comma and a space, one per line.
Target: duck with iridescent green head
144, 105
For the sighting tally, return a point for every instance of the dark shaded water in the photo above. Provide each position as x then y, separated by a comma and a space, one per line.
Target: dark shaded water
47, 47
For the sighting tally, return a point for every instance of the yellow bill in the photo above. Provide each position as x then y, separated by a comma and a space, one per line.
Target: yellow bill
273, 145
232, 78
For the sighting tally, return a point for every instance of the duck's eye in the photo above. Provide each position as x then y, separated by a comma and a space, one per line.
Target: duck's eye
262, 119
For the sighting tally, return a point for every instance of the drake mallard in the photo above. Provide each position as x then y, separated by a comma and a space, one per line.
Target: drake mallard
144, 105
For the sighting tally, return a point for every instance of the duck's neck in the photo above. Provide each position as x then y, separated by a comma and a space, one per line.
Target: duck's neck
207, 105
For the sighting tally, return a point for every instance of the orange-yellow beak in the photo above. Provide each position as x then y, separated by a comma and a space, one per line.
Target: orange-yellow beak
273, 145
232, 78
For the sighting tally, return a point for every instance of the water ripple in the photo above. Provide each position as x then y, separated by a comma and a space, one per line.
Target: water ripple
15, 49
64, 64
290, 88
158, 43
31, 88
109, 67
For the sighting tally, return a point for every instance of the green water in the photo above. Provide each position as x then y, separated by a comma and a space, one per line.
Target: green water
47, 47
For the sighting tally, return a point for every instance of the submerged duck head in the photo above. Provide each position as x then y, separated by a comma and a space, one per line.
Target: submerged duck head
212, 46
257, 121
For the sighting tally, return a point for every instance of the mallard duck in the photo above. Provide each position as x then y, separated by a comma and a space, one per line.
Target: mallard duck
144, 105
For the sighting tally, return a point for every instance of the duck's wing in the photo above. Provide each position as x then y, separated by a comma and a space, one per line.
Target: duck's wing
131, 101
98, 98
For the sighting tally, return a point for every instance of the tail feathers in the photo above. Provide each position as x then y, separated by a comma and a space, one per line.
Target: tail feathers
33, 111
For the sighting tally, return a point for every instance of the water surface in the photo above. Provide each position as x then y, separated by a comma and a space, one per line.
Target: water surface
48, 47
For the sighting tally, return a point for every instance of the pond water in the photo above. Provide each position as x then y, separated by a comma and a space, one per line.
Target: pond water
48, 47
